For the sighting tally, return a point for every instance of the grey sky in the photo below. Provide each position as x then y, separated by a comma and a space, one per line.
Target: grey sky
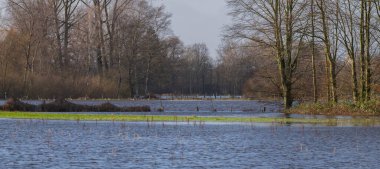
198, 21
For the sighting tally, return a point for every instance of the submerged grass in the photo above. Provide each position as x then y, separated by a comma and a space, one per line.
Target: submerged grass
157, 118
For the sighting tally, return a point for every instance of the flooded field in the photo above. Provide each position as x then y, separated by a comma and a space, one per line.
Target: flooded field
81, 144
64, 144
229, 108
200, 108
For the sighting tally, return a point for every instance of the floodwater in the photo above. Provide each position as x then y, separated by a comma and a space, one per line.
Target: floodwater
65, 144
230, 108
201, 107
224, 108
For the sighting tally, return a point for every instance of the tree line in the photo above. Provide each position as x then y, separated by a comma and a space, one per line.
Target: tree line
292, 49
316, 49
99, 48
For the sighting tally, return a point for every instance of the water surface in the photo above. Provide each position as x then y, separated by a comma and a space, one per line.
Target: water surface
231, 108
63, 144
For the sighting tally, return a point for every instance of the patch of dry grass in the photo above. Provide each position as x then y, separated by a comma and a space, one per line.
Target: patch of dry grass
342, 109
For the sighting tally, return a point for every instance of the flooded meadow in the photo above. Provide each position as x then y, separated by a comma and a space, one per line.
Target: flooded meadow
84, 144
65, 144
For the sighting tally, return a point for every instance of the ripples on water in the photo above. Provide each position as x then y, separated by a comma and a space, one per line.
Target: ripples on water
59, 144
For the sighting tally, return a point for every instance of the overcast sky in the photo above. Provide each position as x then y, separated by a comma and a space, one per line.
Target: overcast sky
198, 21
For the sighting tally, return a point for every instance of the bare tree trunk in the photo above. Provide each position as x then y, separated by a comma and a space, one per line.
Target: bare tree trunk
368, 54
147, 76
28, 52
4, 88
315, 90
56, 10
119, 79
136, 81
351, 52
362, 52
285, 71
66, 35
98, 31
333, 81
328, 83
331, 62
130, 81
355, 94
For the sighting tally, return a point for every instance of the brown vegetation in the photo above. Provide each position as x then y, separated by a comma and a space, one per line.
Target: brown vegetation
62, 105
96, 49
313, 50
341, 109
310, 49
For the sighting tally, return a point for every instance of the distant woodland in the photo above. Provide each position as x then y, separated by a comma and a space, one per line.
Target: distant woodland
291, 49
99, 49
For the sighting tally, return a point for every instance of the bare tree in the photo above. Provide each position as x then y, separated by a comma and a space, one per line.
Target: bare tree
329, 19
64, 16
348, 36
313, 52
276, 24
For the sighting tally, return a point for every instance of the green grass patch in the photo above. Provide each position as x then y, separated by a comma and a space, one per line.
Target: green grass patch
157, 118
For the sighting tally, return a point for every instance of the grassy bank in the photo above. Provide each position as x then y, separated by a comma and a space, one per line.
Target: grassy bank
188, 119
341, 109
